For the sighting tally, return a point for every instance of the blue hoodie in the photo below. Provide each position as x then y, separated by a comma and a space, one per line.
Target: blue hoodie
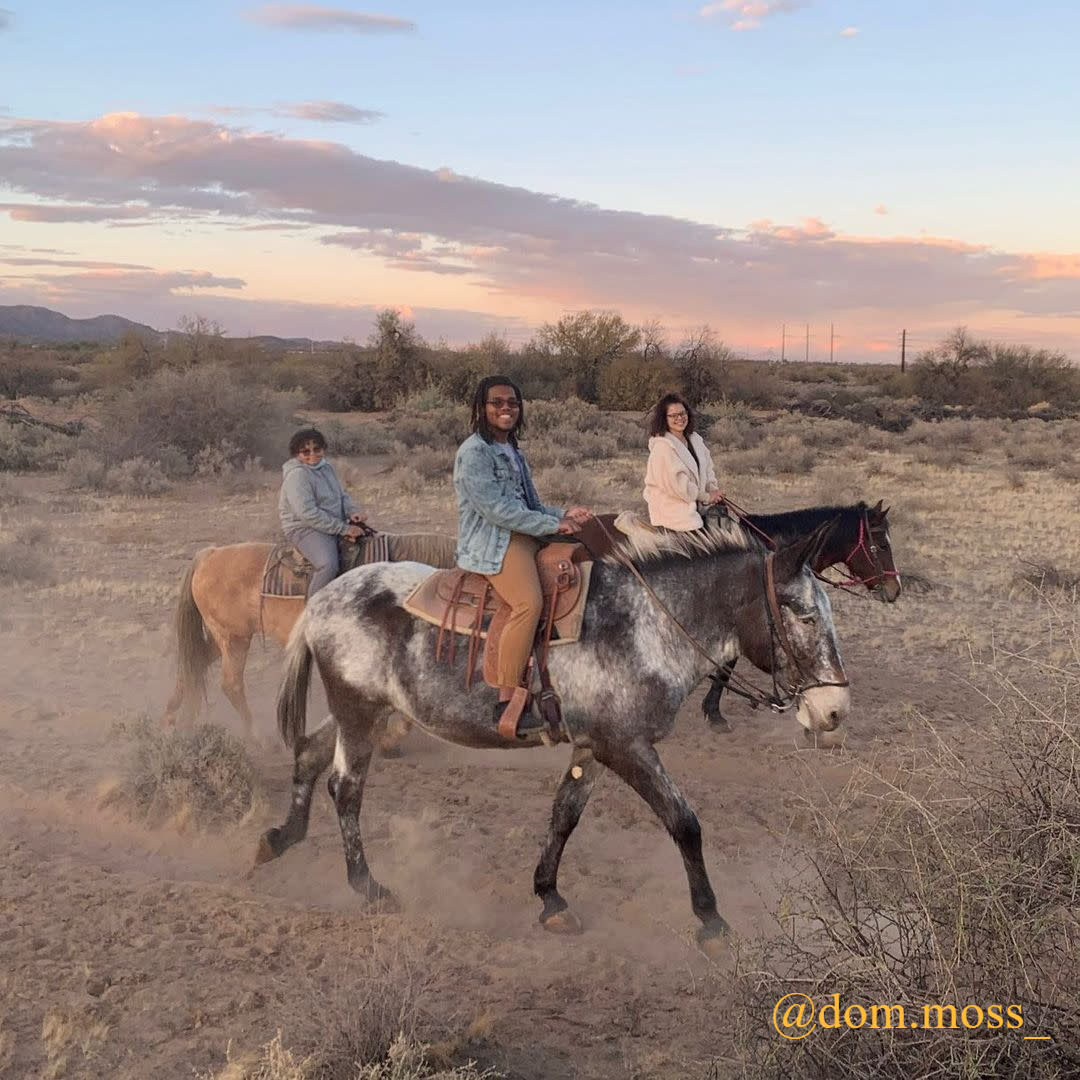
312, 498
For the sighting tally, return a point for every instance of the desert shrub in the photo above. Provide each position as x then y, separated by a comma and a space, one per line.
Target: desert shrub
26, 447
9, 493
86, 471
729, 431
444, 428
786, 454
632, 382
137, 476
950, 880
569, 487
201, 775
24, 558
944, 457
1066, 470
814, 432
756, 384
195, 411
1034, 450
359, 440
566, 421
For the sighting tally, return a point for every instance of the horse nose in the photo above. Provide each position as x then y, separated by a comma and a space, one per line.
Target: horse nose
832, 721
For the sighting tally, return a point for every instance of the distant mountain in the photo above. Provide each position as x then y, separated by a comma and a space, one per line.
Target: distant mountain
40, 325
23, 322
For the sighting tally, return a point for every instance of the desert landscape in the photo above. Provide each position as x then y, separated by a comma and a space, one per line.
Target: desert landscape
139, 939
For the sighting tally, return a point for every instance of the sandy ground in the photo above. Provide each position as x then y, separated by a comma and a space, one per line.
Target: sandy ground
136, 952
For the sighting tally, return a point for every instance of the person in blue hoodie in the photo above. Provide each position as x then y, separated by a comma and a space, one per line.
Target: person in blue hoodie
314, 508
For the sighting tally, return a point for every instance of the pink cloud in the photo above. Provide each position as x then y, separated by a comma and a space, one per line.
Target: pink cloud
70, 213
748, 14
881, 208
849, 32
514, 244
315, 17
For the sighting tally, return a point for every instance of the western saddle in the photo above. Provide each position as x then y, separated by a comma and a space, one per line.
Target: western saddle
460, 602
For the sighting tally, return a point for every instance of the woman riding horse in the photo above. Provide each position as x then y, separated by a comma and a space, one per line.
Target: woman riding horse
314, 508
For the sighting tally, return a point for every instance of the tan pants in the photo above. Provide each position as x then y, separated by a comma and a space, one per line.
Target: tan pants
518, 585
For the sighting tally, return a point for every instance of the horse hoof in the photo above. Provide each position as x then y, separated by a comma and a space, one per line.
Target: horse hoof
386, 903
391, 752
562, 922
266, 851
719, 724
715, 942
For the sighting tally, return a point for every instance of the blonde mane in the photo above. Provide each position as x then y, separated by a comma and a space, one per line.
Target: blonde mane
641, 543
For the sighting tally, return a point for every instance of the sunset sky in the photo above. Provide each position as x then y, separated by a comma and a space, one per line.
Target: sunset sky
290, 168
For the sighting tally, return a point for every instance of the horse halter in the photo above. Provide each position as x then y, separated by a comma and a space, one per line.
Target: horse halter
865, 544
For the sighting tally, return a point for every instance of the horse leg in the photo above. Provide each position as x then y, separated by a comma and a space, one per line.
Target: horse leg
233, 659
352, 756
570, 799
639, 765
311, 758
397, 728
710, 707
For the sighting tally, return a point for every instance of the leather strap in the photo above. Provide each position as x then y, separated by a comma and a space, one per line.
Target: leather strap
508, 722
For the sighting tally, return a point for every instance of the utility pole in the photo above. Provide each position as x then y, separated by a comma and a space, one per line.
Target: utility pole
808, 343
832, 341
783, 342
903, 350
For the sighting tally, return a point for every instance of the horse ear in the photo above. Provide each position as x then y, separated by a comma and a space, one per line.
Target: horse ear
877, 508
792, 558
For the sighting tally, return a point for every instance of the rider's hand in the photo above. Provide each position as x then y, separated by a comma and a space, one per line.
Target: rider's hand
567, 526
580, 514
356, 519
353, 532
715, 497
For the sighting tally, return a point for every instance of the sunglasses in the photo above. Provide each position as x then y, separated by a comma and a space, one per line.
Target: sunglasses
677, 416
504, 403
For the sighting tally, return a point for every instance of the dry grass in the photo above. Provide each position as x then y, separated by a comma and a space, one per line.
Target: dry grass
201, 777
25, 557
959, 885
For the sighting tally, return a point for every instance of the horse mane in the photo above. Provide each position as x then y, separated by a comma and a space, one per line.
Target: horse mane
793, 523
642, 544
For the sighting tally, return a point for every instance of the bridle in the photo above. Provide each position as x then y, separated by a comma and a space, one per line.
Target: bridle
865, 544
781, 699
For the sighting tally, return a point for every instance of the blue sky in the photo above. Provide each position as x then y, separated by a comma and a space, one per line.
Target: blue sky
811, 135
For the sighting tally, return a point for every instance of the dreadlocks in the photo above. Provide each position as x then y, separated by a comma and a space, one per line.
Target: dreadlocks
480, 425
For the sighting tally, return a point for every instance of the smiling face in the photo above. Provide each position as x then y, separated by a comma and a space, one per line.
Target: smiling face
311, 453
677, 418
502, 408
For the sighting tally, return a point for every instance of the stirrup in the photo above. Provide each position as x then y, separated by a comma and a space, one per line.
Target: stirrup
511, 715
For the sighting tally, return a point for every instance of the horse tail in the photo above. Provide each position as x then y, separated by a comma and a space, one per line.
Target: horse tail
195, 650
293, 695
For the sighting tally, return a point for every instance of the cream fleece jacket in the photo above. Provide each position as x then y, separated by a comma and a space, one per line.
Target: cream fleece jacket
675, 483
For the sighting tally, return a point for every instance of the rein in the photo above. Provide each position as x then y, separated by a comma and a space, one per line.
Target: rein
777, 630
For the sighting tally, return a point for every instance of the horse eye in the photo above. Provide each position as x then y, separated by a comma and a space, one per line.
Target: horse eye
808, 619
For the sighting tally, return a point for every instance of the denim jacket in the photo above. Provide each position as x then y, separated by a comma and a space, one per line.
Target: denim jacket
490, 507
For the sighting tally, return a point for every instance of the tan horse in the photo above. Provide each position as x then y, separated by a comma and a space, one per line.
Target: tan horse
221, 608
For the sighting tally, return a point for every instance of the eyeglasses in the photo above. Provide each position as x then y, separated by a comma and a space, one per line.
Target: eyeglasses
677, 416
504, 403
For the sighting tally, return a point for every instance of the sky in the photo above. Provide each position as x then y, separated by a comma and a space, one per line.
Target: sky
847, 168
